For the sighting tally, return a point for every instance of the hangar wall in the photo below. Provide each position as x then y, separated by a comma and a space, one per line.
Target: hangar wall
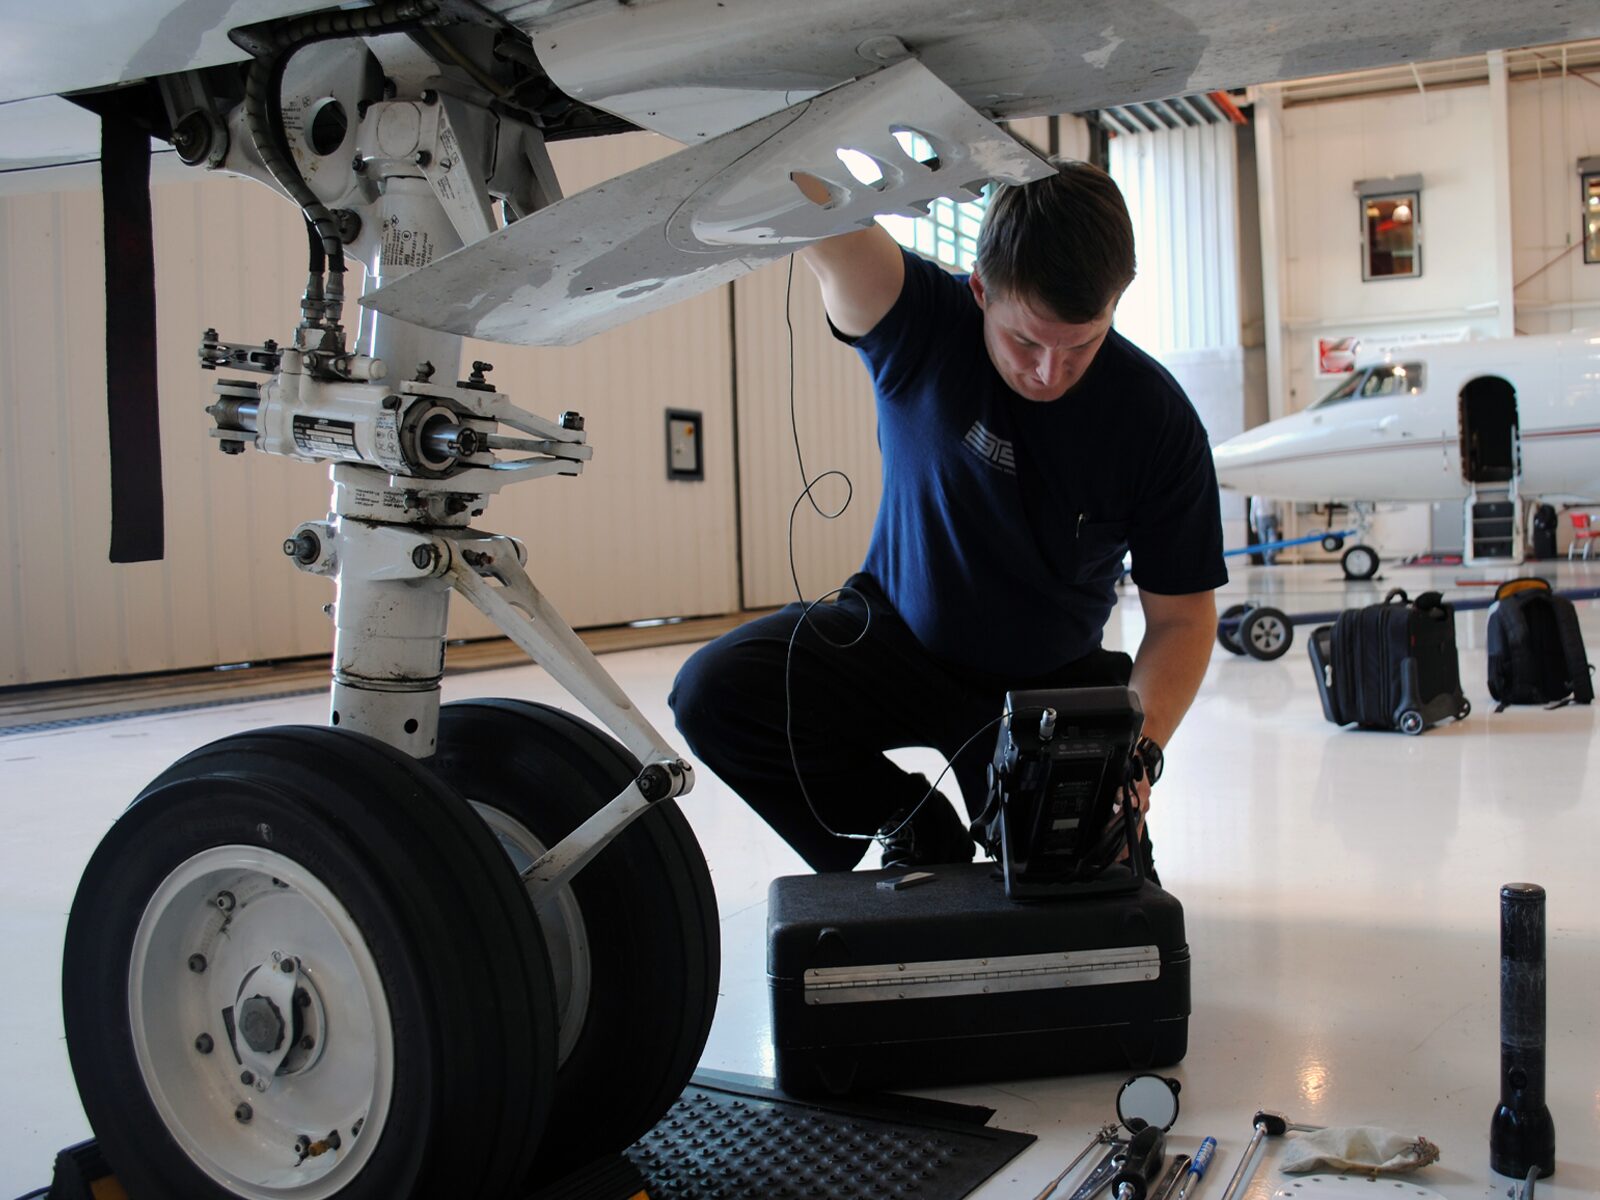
1555, 121
619, 543
1487, 267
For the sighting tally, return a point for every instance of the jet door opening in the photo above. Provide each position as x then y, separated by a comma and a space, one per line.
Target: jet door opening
1488, 413
1490, 463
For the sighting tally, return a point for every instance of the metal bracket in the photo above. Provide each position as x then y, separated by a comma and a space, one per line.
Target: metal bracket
532, 622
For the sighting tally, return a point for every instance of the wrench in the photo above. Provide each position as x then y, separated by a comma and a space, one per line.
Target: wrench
1099, 1179
1107, 1134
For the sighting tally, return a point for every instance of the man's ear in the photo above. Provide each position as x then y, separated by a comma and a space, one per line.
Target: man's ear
976, 284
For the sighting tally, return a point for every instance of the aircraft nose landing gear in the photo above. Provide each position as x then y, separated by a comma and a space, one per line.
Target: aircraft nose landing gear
298, 965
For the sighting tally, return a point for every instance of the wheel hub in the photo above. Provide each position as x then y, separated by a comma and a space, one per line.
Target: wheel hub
278, 1020
238, 1057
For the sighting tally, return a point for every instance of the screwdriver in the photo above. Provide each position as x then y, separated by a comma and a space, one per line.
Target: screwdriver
1197, 1168
1143, 1164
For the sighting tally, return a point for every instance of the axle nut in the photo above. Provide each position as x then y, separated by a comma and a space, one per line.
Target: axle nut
261, 1024
423, 557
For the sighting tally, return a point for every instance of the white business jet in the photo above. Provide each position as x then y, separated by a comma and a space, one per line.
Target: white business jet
457, 951
1491, 424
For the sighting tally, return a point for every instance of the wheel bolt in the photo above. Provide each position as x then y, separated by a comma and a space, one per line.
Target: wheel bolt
308, 1042
302, 997
287, 966
247, 1078
243, 1113
203, 1043
225, 901
197, 963
302, 1144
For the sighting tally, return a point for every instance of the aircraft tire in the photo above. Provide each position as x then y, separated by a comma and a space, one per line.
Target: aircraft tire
1360, 562
634, 939
1265, 633
1332, 543
415, 997
1230, 641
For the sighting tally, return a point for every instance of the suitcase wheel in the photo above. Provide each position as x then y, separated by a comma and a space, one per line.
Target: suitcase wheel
1411, 722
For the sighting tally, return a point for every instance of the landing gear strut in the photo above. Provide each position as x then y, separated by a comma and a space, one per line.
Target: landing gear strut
415, 954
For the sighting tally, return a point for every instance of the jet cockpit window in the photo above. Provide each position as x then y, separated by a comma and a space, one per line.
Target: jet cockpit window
1386, 379
1393, 379
1349, 388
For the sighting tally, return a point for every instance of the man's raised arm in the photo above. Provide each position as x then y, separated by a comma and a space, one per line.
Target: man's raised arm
861, 273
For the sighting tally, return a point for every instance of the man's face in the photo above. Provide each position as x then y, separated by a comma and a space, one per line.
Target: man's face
1039, 357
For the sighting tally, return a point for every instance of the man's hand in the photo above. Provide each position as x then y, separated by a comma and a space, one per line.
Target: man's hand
1141, 805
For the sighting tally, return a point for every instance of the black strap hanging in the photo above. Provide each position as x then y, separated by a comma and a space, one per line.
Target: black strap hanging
133, 418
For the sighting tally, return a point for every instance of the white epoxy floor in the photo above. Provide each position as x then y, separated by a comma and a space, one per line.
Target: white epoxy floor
1341, 892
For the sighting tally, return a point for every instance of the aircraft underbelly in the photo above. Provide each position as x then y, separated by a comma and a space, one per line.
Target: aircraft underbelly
659, 64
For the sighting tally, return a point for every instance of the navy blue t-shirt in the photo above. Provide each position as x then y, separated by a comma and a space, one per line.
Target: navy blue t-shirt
1004, 521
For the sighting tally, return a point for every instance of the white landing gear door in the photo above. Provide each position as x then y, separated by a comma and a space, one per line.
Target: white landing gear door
713, 212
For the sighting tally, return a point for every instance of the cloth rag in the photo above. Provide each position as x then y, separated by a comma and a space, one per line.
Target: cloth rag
1364, 1148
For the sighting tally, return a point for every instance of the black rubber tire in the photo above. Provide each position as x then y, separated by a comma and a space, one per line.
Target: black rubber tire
460, 957
1331, 543
1411, 723
647, 905
1359, 562
1230, 642
1266, 633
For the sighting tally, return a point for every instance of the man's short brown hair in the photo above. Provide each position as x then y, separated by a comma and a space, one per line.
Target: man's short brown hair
1065, 242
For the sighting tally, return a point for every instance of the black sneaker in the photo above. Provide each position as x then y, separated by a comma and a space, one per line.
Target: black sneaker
935, 835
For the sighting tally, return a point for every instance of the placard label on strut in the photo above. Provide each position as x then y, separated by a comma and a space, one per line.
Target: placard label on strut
325, 438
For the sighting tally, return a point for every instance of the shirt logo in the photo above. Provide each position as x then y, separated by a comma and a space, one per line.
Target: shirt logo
996, 451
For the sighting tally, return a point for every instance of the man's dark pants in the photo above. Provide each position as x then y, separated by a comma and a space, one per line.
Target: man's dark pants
856, 687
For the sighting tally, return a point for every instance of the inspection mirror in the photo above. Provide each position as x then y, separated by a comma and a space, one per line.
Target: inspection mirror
1148, 1099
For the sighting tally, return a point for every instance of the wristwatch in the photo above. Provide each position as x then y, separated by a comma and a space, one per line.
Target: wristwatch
1149, 755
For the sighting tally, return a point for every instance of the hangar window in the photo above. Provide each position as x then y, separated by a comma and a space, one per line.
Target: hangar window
949, 233
1391, 219
1591, 214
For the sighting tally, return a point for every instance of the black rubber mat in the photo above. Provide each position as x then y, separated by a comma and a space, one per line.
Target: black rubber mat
733, 1137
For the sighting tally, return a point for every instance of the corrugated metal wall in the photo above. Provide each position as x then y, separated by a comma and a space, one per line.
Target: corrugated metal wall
620, 542
1181, 186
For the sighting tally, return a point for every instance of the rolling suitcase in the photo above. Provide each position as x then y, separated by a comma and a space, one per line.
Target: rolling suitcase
1391, 665
950, 982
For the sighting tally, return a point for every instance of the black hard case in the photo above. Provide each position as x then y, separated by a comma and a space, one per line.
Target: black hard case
1391, 665
989, 1018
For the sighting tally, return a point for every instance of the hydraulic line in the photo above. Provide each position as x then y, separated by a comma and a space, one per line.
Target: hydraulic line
264, 113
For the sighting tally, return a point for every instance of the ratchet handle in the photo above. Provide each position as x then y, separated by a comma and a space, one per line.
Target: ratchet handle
1143, 1164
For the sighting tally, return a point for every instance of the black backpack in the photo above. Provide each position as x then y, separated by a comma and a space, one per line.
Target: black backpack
1535, 649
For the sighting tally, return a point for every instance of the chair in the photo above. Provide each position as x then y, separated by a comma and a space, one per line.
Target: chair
1584, 532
